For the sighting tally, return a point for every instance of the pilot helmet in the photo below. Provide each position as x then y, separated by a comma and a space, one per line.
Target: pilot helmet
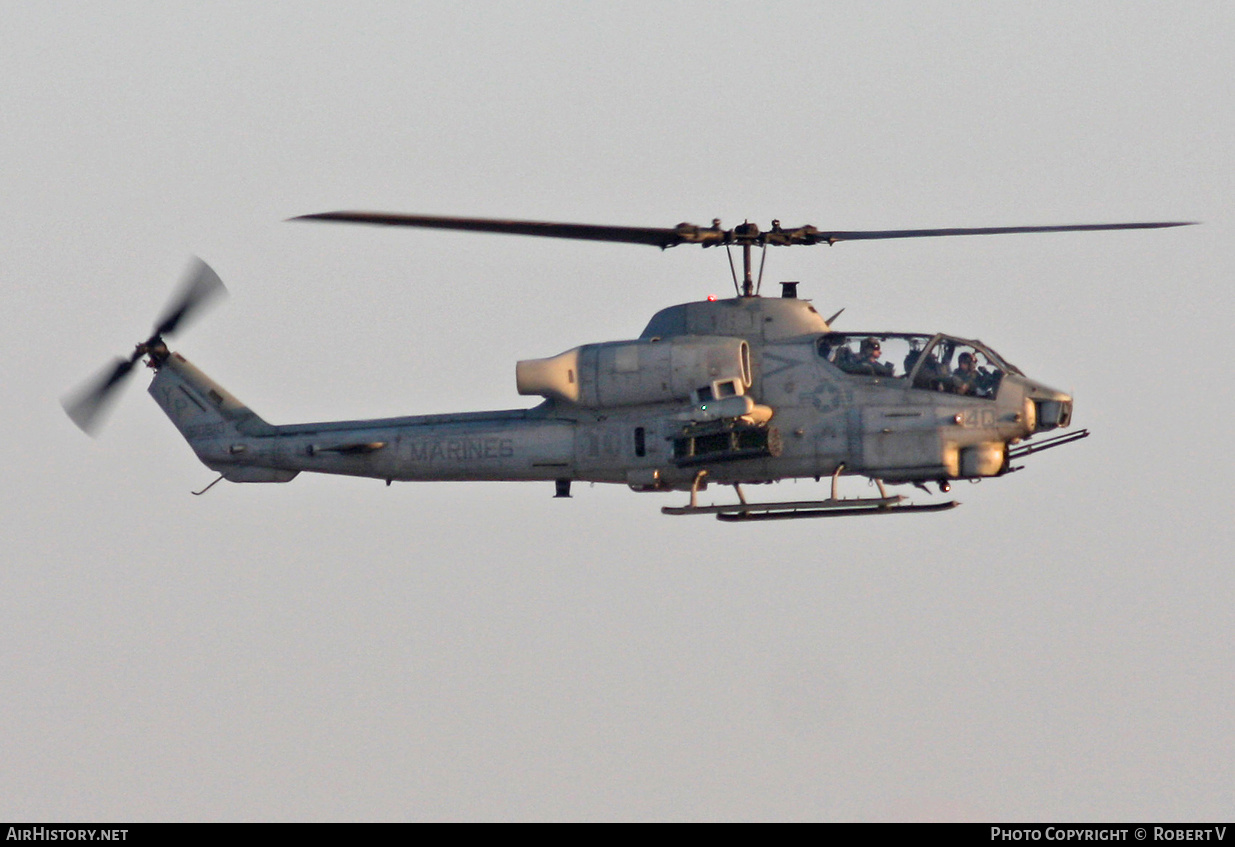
870, 345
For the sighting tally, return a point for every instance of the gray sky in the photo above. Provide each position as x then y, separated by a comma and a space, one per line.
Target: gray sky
1059, 647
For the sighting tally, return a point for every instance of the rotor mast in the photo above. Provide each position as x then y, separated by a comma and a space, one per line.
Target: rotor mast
746, 234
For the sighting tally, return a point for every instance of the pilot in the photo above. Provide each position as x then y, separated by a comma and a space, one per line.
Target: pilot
868, 359
967, 379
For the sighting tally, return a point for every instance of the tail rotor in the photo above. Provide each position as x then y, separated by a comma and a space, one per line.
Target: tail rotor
88, 405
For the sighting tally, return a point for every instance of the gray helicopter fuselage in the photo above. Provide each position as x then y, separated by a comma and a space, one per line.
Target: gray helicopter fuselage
749, 389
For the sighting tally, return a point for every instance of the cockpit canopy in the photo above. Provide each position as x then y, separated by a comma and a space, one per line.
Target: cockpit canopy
929, 362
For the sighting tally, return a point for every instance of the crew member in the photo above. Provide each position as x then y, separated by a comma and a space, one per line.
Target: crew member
966, 379
868, 359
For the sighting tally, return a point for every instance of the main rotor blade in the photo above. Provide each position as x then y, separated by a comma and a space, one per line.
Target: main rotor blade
87, 405
656, 237
870, 235
746, 234
199, 285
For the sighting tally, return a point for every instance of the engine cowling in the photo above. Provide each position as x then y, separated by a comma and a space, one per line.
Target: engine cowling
632, 373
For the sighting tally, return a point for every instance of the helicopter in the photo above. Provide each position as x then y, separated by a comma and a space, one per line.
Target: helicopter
738, 391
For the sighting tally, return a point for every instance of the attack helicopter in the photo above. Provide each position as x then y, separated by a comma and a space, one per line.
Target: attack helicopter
733, 392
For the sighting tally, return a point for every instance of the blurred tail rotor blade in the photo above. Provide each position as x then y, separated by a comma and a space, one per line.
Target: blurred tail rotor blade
199, 286
88, 404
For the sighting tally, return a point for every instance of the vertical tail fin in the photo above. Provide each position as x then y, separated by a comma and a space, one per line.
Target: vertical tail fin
200, 407
226, 435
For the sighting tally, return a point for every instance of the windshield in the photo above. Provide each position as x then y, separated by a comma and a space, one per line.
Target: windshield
929, 362
887, 355
959, 367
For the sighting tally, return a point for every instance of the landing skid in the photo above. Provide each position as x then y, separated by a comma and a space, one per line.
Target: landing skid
833, 507
826, 509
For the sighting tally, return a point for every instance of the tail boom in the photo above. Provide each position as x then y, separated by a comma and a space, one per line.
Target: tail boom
231, 439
